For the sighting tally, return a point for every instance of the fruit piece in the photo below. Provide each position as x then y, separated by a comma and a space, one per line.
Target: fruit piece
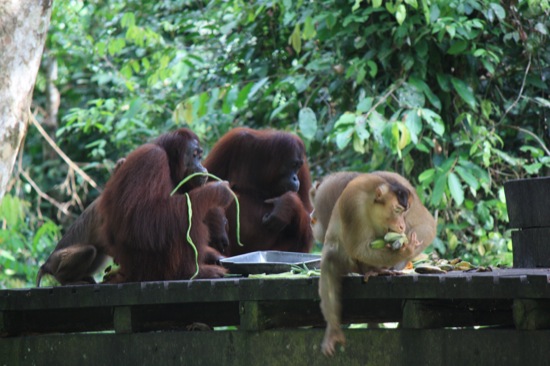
378, 244
428, 269
390, 237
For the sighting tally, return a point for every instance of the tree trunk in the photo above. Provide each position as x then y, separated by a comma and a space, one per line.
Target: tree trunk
23, 28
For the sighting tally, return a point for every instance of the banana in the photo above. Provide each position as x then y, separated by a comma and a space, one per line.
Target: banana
391, 237
378, 244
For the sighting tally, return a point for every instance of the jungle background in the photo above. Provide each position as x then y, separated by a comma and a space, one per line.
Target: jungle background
453, 94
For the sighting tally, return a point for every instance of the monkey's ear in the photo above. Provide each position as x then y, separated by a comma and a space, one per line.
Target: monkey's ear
380, 192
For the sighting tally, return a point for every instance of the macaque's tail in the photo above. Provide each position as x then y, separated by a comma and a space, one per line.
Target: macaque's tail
39, 276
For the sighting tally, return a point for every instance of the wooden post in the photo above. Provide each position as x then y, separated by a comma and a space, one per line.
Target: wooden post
528, 205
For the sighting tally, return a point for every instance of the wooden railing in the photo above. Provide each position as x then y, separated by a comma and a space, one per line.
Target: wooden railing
459, 318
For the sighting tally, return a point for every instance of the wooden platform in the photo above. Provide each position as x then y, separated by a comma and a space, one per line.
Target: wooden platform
460, 318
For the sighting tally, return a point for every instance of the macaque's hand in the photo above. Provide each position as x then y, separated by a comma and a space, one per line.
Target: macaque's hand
409, 249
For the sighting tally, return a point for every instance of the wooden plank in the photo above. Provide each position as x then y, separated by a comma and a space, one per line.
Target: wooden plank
528, 202
532, 314
424, 314
283, 347
531, 247
455, 284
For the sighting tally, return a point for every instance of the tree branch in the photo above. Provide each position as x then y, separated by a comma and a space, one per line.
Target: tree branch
71, 163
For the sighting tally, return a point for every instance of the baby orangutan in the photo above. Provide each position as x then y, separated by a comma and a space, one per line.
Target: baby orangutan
369, 207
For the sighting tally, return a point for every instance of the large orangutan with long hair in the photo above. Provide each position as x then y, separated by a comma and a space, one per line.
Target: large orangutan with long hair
146, 227
268, 171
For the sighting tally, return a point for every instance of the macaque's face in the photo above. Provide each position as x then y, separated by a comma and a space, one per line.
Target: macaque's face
389, 212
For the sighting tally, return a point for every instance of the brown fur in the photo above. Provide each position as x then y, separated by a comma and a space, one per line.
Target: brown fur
369, 206
263, 168
81, 252
146, 227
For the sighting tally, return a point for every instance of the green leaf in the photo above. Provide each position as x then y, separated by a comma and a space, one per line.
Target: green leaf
307, 122
358, 144
401, 14
309, 29
499, 10
229, 100
467, 177
360, 129
296, 39
433, 119
243, 95
356, 5
464, 91
203, 107
439, 189
410, 96
364, 105
128, 20
376, 3
421, 85
458, 47
455, 188
404, 136
426, 176
412, 3
347, 118
373, 68
343, 139
414, 124
391, 137
257, 87
361, 73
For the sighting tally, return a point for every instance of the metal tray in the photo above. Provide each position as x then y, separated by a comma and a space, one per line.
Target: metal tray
269, 261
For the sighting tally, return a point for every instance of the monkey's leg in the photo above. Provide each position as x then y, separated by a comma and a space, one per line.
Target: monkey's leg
330, 286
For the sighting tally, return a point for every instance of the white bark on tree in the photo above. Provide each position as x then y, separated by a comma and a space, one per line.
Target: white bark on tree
23, 28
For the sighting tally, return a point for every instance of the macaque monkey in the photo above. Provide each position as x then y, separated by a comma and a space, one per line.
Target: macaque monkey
369, 206
323, 196
81, 252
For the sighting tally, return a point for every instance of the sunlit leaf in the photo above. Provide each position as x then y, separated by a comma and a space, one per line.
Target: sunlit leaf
307, 122
296, 39
426, 176
364, 105
404, 136
356, 5
345, 119
433, 119
499, 10
455, 188
358, 144
309, 29
401, 14
343, 139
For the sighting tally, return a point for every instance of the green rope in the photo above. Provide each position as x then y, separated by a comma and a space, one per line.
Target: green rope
189, 240
237, 205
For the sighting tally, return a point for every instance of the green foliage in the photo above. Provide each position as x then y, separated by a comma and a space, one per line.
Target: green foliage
451, 93
24, 243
